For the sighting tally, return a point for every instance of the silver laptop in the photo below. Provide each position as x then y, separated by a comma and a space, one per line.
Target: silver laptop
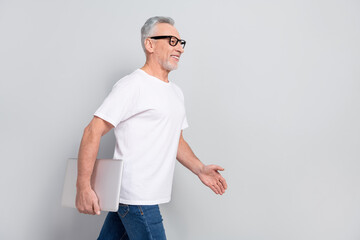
105, 180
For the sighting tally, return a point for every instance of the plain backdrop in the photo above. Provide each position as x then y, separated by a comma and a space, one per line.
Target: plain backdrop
272, 94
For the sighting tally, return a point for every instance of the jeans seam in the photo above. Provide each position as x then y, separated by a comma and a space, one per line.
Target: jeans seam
140, 209
146, 222
127, 211
123, 235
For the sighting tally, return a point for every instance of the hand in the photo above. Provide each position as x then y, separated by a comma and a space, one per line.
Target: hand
210, 176
87, 202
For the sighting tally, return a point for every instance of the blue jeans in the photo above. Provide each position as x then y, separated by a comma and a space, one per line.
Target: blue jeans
134, 222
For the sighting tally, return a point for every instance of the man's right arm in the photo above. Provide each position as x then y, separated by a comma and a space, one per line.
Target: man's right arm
86, 199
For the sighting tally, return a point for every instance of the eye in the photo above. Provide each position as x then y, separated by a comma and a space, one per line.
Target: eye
173, 41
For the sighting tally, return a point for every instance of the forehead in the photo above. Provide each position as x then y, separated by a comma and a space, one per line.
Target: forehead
163, 29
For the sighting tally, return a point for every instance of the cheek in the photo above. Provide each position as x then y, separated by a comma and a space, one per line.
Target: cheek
159, 55
165, 55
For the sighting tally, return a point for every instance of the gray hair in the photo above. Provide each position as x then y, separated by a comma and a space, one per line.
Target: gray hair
149, 27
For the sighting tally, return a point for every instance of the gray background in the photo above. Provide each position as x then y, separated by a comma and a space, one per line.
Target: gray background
271, 92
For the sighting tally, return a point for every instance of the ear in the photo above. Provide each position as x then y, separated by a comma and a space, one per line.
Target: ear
149, 45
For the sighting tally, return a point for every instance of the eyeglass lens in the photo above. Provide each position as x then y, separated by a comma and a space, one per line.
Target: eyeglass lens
174, 41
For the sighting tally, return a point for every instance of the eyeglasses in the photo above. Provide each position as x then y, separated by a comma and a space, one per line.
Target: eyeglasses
173, 41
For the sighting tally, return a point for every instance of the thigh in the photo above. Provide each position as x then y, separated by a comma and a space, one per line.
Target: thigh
113, 228
142, 222
154, 221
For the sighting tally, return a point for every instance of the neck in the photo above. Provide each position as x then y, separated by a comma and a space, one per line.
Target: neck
156, 70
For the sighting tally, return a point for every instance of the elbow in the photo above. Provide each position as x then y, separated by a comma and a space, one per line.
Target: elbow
87, 130
90, 131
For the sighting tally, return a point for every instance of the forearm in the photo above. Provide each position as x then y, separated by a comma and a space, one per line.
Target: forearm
187, 157
88, 151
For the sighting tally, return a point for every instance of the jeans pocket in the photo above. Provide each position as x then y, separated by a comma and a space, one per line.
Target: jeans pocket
151, 213
123, 210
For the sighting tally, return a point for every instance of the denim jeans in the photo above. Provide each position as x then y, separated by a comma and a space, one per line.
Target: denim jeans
133, 222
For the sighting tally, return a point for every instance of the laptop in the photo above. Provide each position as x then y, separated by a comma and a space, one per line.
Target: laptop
105, 180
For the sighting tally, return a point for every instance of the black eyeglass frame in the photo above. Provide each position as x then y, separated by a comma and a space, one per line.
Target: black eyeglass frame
182, 42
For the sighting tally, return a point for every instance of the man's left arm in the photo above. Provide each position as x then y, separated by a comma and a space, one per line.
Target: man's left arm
208, 174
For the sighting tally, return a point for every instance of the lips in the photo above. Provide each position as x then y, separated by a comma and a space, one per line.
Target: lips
176, 57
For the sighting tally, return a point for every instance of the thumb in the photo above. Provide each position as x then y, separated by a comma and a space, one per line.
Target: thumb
97, 208
217, 168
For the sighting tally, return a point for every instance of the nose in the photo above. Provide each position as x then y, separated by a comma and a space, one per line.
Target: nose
179, 48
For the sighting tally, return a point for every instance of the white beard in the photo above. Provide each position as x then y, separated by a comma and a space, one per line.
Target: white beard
168, 66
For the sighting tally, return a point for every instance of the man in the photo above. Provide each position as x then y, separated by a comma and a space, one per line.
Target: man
148, 114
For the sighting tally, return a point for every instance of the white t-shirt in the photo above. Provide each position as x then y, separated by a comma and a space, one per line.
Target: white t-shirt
148, 115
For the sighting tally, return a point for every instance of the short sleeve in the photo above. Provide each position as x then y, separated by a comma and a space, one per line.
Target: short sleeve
120, 104
184, 124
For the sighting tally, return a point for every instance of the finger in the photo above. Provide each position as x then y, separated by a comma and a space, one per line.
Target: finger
96, 208
214, 189
217, 188
83, 209
89, 208
223, 182
221, 187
